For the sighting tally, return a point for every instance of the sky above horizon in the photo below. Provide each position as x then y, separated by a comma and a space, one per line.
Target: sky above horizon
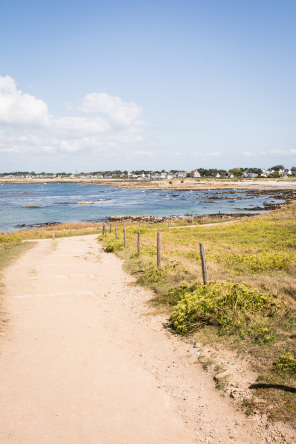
103, 85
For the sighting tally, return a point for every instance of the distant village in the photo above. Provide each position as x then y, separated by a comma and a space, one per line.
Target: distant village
243, 173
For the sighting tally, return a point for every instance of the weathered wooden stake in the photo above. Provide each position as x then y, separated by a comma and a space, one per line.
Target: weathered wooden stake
158, 250
138, 244
124, 237
203, 263
110, 228
115, 232
103, 230
53, 235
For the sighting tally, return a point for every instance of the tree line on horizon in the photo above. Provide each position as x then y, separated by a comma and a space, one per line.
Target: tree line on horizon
204, 172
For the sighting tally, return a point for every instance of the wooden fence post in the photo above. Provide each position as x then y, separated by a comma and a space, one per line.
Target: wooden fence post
115, 232
138, 244
110, 228
53, 235
124, 237
158, 250
203, 263
103, 230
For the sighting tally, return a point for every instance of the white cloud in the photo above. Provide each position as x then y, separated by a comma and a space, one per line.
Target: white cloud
207, 154
121, 113
21, 109
27, 125
250, 154
143, 153
278, 152
212, 154
76, 127
282, 153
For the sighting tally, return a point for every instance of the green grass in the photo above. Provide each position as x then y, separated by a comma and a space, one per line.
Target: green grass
254, 312
8, 253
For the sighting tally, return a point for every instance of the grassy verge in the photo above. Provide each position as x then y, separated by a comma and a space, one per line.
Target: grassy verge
249, 305
9, 251
60, 230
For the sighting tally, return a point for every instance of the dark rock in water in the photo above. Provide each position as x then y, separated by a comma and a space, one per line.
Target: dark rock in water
45, 224
283, 194
82, 202
225, 216
157, 219
33, 206
254, 208
64, 203
150, 219
106, 191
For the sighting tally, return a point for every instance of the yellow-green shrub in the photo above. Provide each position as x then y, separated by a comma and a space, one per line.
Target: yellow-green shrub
285, 364
114, 245
227, 305
9, 239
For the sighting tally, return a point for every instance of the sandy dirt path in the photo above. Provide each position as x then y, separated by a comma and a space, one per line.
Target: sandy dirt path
82, 362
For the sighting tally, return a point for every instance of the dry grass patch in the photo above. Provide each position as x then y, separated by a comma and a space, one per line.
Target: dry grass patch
60, 230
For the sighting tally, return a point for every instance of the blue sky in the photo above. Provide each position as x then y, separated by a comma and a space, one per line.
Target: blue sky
98, 85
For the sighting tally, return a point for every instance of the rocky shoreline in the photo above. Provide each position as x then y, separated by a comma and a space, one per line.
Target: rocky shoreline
188, 217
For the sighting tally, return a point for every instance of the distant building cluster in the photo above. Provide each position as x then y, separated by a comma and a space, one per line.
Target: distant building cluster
243, 173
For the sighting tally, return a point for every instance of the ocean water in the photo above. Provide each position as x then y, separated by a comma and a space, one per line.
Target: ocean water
57, 202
